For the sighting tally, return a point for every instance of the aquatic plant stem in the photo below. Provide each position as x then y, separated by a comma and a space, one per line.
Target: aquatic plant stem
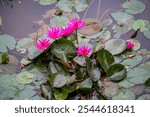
77, 36
98, 9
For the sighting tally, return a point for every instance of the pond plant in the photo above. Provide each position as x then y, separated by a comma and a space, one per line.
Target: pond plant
79, 58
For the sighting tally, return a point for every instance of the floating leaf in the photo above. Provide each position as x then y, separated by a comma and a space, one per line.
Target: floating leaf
45, 89
105, 59
144, 97
58, 80
7, 95
13, 59
134, 7
116, 72
92, 27
59, 21
147, 82
110, 89
126, 84
25, 61
80, 60
132, 62
7, 42
94, 72
140, 24
60, 94
33, 52
85, 85
4, 58
138, 89
140, 74
106, 22
126, 94
68, 5
24, 77
24, 44
115, 46
147, 34
46, 2
63, 49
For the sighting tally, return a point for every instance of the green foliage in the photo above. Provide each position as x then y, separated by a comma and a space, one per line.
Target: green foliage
4, 59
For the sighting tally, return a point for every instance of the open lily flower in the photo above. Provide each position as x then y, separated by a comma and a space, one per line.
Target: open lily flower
83, 50
43, 44
67, 31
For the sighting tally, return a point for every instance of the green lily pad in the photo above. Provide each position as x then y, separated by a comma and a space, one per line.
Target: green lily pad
85, 85
134, 7
115, 46
24, 44
111, 89
68, 5
140, 74
24, 77
59, 21
126, 84
121, 17
7, 42
132, 62
80, 60
63, 49
94, 72
46, 2
8, 69
147, 34
116, 72
140, 24
4, 58
60, 94
144, 97
7, 95
105, 58
33, 52
126, 94
58, 80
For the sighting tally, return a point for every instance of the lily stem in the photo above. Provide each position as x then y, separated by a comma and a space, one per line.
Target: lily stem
77, 36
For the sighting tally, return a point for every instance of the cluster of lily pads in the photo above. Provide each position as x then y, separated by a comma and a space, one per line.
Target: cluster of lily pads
110, 68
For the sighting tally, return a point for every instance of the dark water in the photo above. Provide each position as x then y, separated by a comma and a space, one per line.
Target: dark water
18, 21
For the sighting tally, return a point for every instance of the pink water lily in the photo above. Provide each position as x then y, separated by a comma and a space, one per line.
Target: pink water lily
76, 23
130, 45
54, 33
83, 50
43, 44
67, 31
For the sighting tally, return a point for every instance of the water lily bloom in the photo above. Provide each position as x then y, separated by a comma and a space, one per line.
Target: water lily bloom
54, 33
76, 23
83, 50
43, 44
130, 45
67, 31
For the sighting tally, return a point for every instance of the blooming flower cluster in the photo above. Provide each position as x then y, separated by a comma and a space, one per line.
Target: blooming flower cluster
56, 33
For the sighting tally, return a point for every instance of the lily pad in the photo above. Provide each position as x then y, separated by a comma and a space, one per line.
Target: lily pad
144, 97
33, 52
105, 59
59, 21
125, 94
85, 85
68, 5
58, 80
147, 34
13, 59
24, 77
134, 7
140, 74
63, 49
126, 84
140, 24
60, 94
80, 60
132, 62
115, 46
46, 2
116, 72
24, 44
4, 59
7, 42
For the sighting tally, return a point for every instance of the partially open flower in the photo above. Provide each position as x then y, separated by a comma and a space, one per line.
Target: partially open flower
83, 50
76, 23
130, 45
54, 33
43, 44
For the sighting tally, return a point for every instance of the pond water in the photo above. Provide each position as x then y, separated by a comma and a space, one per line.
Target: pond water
19, 20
